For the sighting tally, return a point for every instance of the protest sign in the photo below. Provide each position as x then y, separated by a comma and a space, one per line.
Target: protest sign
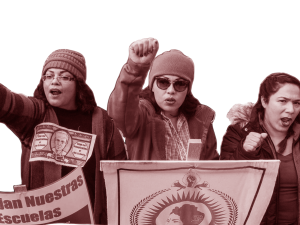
195, 192
60, 145
65, 201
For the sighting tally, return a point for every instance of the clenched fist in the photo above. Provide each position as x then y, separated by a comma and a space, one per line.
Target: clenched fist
253, 141
143, 51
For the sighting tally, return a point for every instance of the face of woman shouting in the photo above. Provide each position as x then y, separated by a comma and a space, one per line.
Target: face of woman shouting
60, 88
169, 93
282, 108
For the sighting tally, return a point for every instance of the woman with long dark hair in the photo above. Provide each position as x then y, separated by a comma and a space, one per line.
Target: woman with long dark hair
63, 98
159, 121
270, 129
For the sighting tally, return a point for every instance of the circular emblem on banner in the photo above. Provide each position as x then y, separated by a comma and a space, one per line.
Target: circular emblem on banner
190, 202
41, 141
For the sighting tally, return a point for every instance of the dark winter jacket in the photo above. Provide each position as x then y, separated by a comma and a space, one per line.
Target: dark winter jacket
21, 114
242, 123
143, 128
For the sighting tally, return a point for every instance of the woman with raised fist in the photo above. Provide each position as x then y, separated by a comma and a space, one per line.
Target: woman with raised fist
270, 129
159, 120
63, 98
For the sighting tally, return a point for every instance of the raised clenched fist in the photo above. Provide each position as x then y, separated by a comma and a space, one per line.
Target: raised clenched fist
143, 51
253, 141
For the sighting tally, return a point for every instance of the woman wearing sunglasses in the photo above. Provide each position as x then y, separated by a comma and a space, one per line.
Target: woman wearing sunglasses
158, 121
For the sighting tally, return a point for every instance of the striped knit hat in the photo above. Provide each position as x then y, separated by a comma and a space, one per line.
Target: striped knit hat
172, 62
66, 59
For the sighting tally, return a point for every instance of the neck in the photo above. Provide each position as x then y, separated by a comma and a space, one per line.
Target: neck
66, 108
171, 115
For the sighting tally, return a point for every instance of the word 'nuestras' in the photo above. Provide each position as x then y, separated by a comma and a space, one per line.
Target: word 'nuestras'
32, 201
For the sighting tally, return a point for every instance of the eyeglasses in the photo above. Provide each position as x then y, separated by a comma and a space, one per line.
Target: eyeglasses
59, 78
179, 85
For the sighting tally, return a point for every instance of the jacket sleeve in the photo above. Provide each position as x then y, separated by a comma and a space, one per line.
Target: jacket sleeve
211, 145
123, 104
232, 145
20, 113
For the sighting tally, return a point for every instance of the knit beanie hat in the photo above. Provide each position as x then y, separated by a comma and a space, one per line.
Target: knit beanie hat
66, 59
172, 62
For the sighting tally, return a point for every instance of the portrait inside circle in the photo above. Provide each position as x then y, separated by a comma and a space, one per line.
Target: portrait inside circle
60, 142
185, 215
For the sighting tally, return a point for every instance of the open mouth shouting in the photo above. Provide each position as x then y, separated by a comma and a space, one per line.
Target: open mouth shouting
55, 92
286, 121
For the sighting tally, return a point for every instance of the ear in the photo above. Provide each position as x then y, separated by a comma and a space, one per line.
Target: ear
264, 104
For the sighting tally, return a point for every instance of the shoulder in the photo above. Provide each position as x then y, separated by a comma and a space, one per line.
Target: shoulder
204, 113
240, 118
102, 123
240, 114
100, 114
98, 109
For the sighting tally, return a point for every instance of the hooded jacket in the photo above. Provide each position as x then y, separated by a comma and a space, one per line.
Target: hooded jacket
143, 128
243, 121
21, 114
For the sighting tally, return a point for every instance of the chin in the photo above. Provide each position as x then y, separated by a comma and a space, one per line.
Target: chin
283, 129
170, 108
51, 102
55, 104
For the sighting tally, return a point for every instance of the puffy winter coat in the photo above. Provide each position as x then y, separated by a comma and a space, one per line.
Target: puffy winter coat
242, 123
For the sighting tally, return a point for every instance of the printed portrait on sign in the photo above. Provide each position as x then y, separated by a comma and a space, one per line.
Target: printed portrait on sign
60, 143
62, 146
185, 215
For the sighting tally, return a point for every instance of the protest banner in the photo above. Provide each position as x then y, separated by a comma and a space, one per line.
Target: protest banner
195, 192
65, 201
62, 146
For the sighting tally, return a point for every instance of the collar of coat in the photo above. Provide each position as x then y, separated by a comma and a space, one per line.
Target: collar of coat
249, 121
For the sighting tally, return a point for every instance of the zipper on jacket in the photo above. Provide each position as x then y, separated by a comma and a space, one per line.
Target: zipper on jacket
273, 149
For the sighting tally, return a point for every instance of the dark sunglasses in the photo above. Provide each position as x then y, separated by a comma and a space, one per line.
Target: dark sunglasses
164, 83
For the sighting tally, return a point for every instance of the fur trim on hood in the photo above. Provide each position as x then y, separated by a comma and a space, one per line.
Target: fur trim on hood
240, 113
